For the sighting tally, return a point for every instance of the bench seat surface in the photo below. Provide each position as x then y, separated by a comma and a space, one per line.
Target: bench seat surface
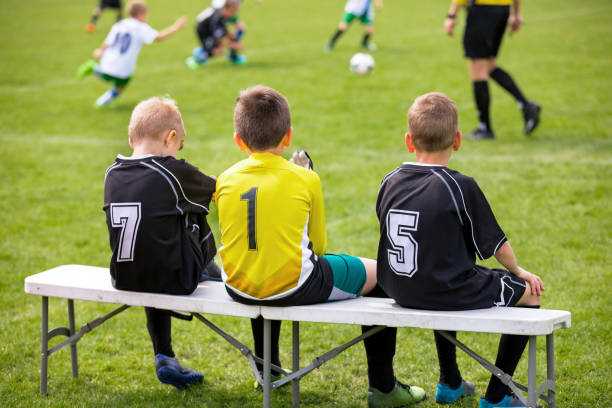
82, 282
94, 284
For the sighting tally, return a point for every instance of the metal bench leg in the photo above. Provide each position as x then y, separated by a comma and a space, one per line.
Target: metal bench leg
266, 364
550, 369
44, 342
532, 396
73, 346
295, 392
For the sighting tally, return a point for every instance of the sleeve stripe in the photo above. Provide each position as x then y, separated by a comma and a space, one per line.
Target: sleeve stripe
181, 187
387, 177
467, 214
110, 168
169, 182
451, 194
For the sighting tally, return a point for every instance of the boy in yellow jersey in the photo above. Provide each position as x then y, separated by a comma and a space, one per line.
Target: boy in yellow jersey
272, 222
484, 29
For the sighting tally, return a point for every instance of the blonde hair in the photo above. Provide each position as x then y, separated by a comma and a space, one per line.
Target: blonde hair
152, 117
433, 122
136, 8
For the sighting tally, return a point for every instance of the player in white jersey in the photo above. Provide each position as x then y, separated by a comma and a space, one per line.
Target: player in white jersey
119, 52
363, 10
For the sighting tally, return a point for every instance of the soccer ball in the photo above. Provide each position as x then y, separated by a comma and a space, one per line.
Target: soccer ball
361, 64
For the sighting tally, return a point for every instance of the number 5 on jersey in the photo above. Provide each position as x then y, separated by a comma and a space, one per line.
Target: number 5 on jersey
403, 253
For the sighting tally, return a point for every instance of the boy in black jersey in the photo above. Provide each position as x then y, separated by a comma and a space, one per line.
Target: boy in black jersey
156, 209
433, 221
214, 36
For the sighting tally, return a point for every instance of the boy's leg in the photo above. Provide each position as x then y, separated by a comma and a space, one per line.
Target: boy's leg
511, 347
167, 367
341, 29
451, 386
258, 338
447, 358
113, 93
160, 329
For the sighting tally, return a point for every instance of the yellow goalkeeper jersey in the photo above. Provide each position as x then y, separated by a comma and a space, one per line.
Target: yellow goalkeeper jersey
485, 2
272, 223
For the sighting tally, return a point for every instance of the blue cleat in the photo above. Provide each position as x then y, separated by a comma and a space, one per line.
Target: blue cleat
445, 394
238, 60
509, 401
170, 371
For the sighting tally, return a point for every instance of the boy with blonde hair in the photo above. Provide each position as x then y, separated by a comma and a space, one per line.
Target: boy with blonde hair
433, 223
119, 52
156, 209
272, 222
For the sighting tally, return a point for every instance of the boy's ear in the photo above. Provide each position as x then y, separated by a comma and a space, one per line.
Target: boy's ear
409, 142
170, 135
239, 142
457, 141
287, 138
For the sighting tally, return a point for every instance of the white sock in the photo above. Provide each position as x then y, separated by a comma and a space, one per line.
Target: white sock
106, 97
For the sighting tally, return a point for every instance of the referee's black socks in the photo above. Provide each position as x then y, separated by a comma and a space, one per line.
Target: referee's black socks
508, 355
483, 100
505, 81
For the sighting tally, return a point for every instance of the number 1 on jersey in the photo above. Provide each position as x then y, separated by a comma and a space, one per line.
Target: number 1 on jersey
251, 198
403, 255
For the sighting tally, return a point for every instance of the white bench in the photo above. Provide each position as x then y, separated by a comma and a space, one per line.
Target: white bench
79, 282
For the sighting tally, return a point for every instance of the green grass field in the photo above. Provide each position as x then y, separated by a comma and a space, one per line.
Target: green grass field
551, 192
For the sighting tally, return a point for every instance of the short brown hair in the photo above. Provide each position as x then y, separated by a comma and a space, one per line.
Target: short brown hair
261, 117
152, 117
136, 8
230, 3
433, 122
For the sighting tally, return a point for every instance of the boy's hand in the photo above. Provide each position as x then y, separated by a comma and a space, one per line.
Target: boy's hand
449, 26
301, 158
536, 284
180, 22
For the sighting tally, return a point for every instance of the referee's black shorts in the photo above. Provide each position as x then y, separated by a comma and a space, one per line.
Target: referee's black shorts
484, 30
110, 4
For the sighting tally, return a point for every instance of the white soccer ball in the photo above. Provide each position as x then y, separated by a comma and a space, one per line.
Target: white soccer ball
361, 64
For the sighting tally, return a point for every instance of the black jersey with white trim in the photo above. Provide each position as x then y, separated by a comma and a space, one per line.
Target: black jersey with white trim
433, 223
156, 211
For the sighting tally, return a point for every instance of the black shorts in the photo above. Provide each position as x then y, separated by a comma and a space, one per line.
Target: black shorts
110, 4
209, 42
510, 292
316, 289
484, 30
512, 288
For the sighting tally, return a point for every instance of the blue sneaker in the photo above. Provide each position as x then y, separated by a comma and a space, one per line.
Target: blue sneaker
211, 272
506, 402
170, 371
238, 60
445, 394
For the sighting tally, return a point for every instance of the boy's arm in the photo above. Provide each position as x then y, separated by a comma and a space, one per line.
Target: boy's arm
97, 53
505, 256
449, 23
167, 32
316, 220
378, 4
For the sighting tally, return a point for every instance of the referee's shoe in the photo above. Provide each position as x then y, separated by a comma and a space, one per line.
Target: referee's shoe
531, 114
170, 371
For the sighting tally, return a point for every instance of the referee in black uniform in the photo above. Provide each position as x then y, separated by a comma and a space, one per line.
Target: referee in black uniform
484, 29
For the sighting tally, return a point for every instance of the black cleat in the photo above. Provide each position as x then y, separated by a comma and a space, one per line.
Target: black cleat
480, 134
531, 114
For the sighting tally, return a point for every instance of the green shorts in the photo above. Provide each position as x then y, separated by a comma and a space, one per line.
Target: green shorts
119, 82
349, 276
364, 18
